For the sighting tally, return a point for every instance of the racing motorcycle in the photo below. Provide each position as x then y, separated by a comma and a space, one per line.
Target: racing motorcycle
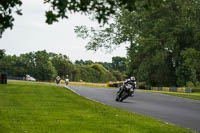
125, 91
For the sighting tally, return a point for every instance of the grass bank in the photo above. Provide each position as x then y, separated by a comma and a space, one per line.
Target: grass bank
27, 107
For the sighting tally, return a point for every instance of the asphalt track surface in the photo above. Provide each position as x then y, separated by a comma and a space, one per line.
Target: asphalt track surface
178, 111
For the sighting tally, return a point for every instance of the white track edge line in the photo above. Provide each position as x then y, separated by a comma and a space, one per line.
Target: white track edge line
84, 96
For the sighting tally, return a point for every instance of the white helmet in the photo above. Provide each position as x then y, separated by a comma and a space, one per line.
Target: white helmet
132, 78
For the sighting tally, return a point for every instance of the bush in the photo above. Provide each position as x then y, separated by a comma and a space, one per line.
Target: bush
142, 85
76, 74
190, 84
195, 90
95, 73
197, 84
118, 75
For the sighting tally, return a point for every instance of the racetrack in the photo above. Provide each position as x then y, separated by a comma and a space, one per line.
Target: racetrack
179, 111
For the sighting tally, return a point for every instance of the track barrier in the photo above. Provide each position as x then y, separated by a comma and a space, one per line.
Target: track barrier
173, 89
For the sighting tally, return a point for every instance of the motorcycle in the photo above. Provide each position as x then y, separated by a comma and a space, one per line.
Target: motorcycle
125, 91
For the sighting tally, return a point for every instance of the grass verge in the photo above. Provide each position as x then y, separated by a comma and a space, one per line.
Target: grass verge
37, 108
97, 85
194, 95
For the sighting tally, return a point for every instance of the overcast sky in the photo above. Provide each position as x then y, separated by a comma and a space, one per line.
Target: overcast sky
31, 33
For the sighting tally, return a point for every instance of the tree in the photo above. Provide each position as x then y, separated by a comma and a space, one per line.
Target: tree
101, 8
2, 53
162, 35
13, 66
60, 8
76, 74
30, 64
88, 62
6, 13
103, 37
81, 62
191, 64
62, 64
44, 69
6, 64
119, 63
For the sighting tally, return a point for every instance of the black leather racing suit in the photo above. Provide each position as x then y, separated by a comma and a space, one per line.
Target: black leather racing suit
128, 81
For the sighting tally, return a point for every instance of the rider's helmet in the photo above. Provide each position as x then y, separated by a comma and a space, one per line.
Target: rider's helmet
132, 78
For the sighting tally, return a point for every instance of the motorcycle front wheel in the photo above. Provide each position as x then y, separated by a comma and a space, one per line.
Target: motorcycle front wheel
123, 96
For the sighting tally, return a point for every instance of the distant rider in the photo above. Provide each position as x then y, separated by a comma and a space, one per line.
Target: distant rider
58, 80
67, 80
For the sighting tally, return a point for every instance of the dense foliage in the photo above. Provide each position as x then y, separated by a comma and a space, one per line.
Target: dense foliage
164, 41
6, 13
46, 66
166, 44
95, 73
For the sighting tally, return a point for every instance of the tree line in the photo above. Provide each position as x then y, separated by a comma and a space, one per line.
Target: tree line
46, 66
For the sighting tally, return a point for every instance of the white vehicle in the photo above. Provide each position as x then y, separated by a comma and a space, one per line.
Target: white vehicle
32, 79
29, 78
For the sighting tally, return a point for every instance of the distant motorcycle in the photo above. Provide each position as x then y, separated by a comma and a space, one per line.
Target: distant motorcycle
125, 91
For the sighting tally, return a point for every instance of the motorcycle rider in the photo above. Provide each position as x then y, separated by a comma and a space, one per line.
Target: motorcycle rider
67, 80
58, 80
131, 81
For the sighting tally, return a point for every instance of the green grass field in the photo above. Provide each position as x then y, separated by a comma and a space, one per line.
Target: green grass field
194, 96
27, 107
